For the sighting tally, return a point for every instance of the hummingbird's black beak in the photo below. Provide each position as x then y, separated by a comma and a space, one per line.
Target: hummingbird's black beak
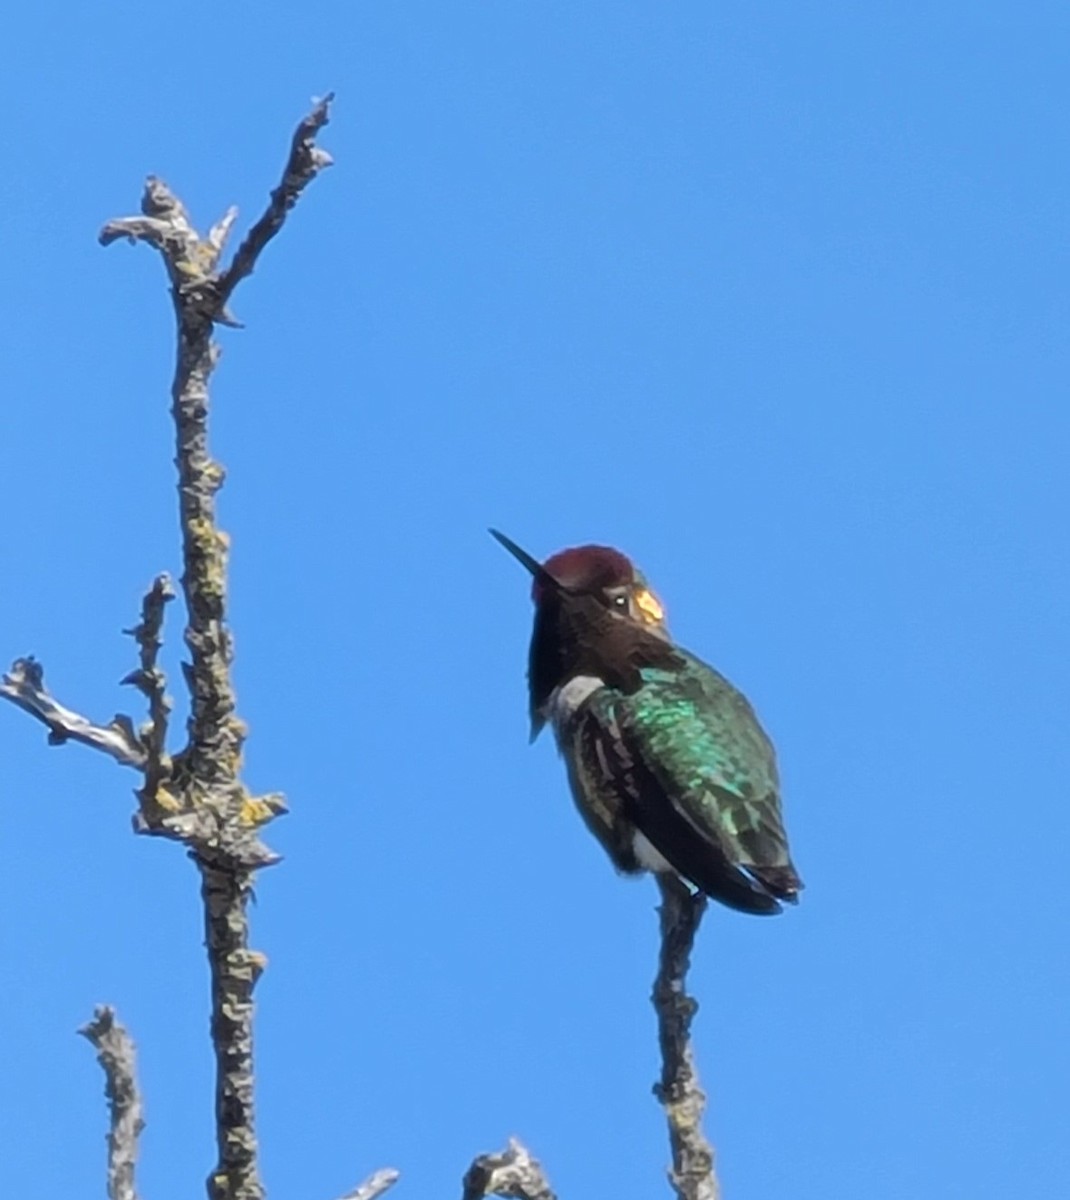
522, 556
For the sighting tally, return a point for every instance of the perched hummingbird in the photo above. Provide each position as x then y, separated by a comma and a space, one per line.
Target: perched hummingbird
667, 763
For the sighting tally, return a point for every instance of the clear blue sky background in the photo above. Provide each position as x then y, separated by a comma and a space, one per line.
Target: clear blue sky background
774, 298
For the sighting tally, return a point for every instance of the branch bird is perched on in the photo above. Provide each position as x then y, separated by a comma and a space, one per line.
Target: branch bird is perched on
668, 765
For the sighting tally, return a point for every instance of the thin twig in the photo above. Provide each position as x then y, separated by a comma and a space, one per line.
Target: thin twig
512, 1172
151, 682
304, 164
115, 1053
374, 1185
24, 685
692, 1175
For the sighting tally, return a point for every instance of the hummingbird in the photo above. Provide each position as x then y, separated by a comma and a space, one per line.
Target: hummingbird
666, 760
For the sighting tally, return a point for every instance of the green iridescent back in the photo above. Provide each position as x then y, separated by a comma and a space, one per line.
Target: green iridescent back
700, 738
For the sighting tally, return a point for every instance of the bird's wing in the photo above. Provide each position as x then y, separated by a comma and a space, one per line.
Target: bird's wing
704, 744
701, 850
707, 774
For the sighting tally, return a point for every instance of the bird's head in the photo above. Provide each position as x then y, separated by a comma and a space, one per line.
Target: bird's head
600, 572
595, 616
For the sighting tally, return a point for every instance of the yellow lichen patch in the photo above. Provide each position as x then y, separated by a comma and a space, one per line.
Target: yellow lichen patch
258, 810
208, 548
167, 800
202, 531
206, 254
214, 472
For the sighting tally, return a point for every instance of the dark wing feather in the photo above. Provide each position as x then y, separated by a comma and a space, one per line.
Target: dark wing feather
699, 855
710, 775
594, 789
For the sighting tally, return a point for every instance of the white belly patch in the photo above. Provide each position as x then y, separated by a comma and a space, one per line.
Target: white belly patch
649, 857
564, 700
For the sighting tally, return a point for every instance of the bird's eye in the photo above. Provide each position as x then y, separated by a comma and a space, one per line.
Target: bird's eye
620, 602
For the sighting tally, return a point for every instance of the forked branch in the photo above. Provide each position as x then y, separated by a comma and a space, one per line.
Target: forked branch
196, 796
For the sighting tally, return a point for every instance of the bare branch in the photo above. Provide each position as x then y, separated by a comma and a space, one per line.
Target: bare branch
304, 164
218, 234
512, 1172
198, 796
115, 1053
374, 1185
150, 680
134, 229
24, 685
692, 1175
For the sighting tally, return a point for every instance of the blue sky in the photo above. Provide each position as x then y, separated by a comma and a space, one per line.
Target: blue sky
776, 303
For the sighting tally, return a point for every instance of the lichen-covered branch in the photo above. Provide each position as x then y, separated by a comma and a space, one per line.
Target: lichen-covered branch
235, 969
511, 1172
196, 796
115, 1053
203, 786
692, 1175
